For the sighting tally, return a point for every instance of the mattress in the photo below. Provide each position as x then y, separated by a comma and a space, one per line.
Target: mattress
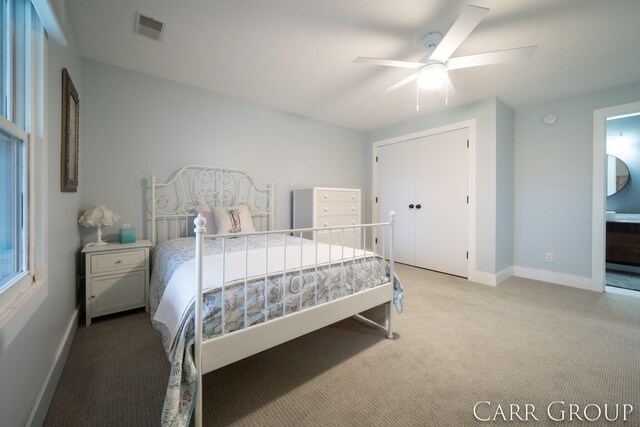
271, 291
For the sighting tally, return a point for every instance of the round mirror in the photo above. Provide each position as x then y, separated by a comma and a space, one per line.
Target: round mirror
617, 174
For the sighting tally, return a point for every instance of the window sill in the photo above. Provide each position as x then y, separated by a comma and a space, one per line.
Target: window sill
17, 315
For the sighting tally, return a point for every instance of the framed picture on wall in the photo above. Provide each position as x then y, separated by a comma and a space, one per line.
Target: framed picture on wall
70, 140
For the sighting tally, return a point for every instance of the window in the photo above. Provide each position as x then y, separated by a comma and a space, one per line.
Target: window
12, 224
21, 88
16, 58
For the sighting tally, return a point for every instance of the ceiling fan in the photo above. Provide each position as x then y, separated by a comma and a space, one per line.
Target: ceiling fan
432, 70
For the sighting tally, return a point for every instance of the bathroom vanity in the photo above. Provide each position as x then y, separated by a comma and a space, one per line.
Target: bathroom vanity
623, 239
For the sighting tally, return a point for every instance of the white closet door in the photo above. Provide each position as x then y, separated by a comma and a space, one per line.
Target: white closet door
396, 184
442, 181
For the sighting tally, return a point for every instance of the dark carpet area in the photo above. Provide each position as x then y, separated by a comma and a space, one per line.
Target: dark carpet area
115, 375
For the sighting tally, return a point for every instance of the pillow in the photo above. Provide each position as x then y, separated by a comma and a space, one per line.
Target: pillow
233, 219
210, 226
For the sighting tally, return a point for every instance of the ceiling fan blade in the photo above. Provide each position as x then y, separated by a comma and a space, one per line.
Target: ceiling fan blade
470, 18
447, 90
389, 62
489, 58
401, 83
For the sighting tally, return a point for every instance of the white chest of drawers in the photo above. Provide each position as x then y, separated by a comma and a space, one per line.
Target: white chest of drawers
329, 207
117, 278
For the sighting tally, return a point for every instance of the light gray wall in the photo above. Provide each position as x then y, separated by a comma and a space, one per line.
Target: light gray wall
485, 115
24, 365
553, 173
504, 186
136, 126
627, 149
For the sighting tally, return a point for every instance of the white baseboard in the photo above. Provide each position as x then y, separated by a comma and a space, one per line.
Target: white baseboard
491, 279
553, 277
41, 407
482, 278
504, 275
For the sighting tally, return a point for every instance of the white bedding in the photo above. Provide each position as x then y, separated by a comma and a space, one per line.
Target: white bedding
179, 294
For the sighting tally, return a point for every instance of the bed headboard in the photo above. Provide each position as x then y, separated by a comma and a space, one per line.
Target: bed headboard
173, 204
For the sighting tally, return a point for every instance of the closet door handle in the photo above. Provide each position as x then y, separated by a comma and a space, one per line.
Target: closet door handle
418, 206
411, 206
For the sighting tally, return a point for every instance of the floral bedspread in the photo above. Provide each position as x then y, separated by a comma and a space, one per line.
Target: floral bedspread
266, 298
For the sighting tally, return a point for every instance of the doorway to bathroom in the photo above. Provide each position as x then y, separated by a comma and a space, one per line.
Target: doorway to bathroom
622, 186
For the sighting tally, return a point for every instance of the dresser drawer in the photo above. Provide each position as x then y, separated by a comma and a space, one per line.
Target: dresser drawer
349, 237
337, 208
337, 221
338, 196
121, 261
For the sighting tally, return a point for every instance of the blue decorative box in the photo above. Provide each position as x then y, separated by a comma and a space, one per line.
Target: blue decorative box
127, 235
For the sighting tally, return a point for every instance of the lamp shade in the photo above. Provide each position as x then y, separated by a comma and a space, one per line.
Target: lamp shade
432, 76
97, 216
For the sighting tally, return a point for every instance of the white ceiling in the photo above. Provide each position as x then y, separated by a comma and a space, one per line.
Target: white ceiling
297, 55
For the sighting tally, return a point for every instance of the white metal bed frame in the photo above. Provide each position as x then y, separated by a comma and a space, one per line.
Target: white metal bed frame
175, 202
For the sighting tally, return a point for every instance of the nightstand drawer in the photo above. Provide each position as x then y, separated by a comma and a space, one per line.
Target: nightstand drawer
102, 263
117, 292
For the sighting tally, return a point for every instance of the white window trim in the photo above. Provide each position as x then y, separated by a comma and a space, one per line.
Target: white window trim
20, 301
19, 283
50, 20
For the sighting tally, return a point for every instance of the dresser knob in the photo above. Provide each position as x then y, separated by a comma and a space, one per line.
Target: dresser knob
118, 262
326, 209
326, 224
326, 196
353, 197
353, 208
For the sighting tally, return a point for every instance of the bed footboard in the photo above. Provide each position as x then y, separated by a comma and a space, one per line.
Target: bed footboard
231, 346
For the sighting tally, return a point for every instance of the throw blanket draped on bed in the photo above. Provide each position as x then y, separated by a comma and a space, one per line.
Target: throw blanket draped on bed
341, 271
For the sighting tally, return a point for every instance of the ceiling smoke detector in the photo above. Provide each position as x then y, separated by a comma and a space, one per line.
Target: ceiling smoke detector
148, 27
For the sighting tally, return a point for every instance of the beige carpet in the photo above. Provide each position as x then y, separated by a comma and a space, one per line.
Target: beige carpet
458, 343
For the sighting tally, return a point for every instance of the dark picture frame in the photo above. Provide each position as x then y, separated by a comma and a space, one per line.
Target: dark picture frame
70, 135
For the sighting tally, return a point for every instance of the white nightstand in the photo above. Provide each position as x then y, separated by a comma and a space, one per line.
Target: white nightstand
117, 278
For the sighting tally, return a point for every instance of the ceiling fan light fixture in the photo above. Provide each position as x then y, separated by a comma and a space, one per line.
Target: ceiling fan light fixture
431, 72
432, 76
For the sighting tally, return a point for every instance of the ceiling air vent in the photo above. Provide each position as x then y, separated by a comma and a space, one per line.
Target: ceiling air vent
148, 27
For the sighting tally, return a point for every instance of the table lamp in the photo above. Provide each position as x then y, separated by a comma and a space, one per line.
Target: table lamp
97, 216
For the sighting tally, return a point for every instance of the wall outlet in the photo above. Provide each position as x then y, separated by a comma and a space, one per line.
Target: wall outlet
548, 256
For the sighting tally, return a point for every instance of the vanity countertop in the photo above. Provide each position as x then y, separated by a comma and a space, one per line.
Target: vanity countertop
632, 218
